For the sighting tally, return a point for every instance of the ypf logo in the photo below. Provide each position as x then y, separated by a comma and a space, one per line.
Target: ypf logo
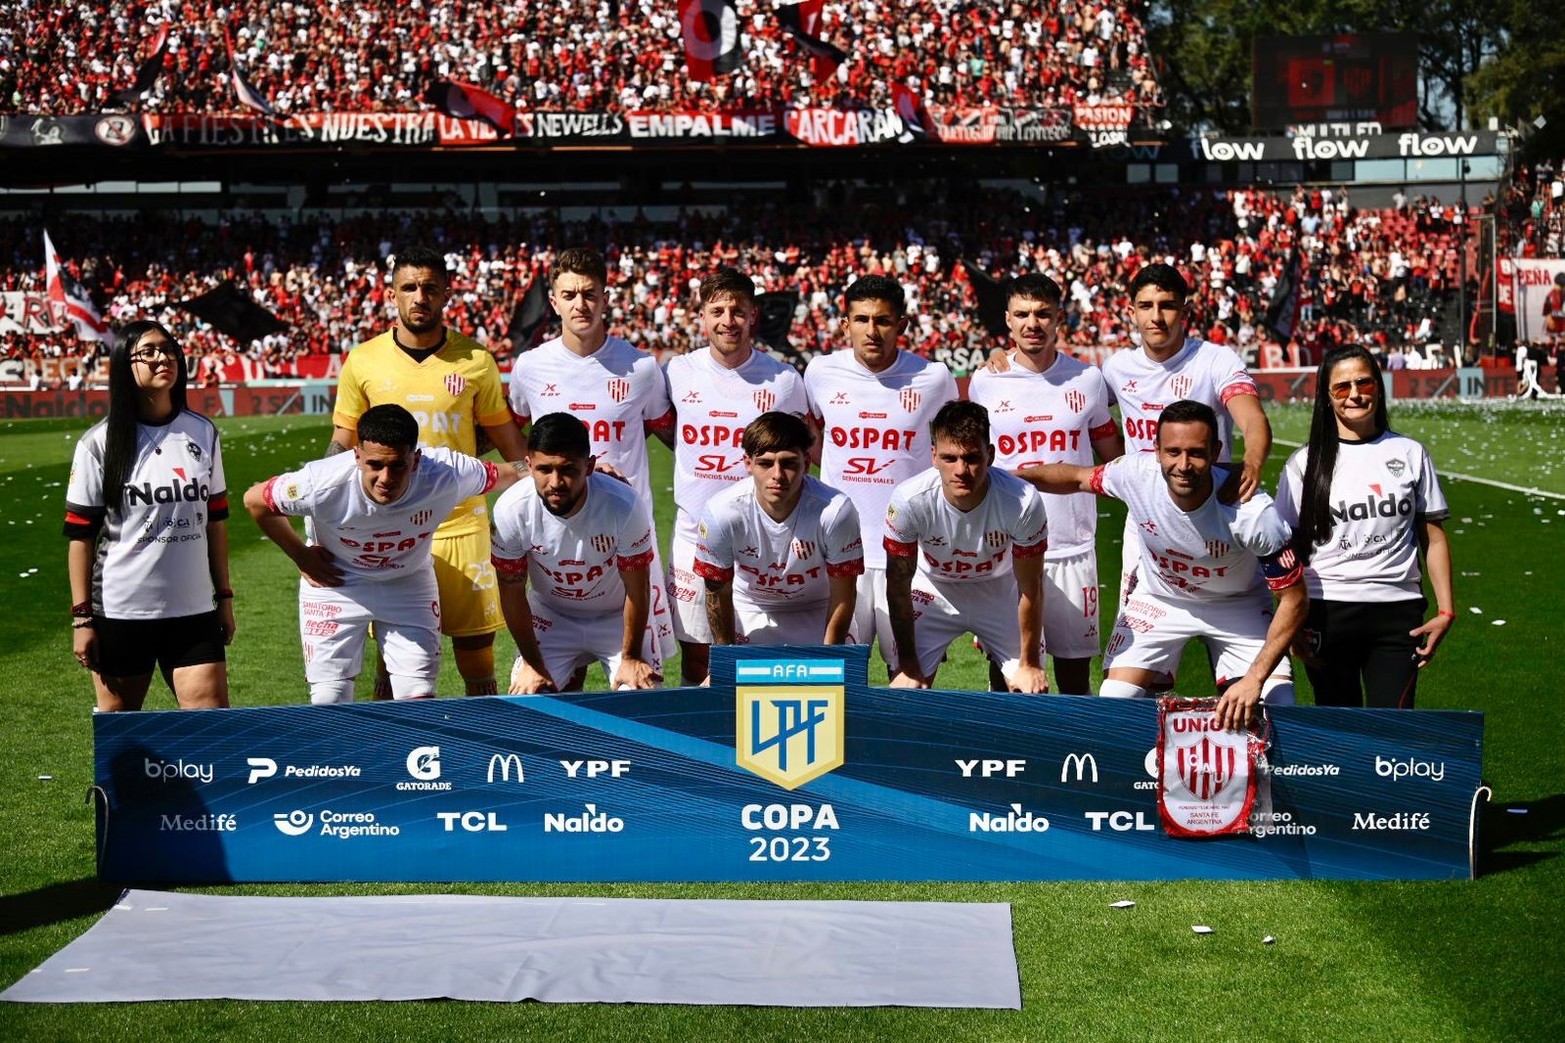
294, 823
424, 763
789, 724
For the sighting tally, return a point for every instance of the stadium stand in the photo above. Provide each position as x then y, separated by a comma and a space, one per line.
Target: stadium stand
587, 55
1374, 276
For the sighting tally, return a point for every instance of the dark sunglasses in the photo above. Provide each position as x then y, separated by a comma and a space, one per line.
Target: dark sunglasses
1363, 385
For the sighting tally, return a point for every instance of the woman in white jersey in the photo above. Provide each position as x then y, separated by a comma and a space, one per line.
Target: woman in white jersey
145, 514
1364, 502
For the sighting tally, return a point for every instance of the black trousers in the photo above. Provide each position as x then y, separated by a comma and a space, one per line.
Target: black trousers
1362, 651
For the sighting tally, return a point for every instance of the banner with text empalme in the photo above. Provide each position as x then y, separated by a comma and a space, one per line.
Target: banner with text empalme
685, 784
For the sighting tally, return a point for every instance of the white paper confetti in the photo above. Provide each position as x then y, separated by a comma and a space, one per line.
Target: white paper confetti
1123, 905
46, 778
1497, 622
1201, 929
1475, 610
1268, 940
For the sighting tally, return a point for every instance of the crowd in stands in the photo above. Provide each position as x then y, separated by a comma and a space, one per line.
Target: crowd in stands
594, 55
1532, 211
1379, 277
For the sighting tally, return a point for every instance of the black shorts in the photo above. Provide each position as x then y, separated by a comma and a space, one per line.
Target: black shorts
132, 647
1364, 655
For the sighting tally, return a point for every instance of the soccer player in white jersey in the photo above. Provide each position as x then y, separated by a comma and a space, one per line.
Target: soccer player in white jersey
716, 393
1051, 408
1204, 571
616, 389
964, 552
1171, 366
872, 406
780, 553
374, 516
584, 543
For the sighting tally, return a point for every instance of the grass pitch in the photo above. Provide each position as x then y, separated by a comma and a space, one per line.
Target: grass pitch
1457, 961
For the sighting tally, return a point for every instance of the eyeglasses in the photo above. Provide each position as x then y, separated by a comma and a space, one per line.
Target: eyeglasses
150, 355
1363, 385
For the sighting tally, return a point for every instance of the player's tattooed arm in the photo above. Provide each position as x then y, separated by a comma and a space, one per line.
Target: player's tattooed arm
720, 610
899, 604
342, 439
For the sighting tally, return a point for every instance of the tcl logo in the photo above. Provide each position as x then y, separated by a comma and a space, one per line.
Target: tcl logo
471, 821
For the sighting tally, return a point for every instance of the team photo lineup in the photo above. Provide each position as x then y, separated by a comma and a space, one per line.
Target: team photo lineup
678, 503
916, 532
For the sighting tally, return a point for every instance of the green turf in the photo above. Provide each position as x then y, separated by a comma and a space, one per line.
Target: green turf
1452, 961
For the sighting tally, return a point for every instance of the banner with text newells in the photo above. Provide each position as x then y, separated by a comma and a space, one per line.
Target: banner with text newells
788, 768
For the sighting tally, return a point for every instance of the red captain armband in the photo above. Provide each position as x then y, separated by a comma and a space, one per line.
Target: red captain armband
1240, 387
509, 568
898, 549
706, 570
1097, 479
1103, 430
845, 568
1282, 570
1037, 550
634, 562
491, 475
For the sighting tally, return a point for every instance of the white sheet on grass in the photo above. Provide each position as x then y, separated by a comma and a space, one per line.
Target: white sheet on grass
156, 945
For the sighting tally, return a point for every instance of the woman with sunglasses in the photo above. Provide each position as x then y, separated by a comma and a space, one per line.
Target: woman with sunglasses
145, 513
1364, 502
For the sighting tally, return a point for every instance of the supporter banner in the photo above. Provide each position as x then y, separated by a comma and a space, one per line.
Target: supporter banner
1538, 293
788, 768
317, 128
1034, 126
113, 130
1105, 125
1101, 125
28, 313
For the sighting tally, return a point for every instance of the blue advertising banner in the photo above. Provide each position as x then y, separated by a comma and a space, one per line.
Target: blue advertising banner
790, 767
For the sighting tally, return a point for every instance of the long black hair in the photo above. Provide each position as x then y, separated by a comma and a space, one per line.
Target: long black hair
119, 444
1320, 462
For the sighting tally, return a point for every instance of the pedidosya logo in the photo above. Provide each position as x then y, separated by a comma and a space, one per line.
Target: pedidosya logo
423, 764
788, 716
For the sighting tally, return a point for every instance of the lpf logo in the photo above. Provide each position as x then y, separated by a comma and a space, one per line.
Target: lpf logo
765, 400
455, 384
910, 399
619, 390
788, 724
1075, 401
1180, 386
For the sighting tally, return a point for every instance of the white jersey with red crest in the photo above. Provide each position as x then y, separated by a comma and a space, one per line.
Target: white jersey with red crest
714, 405
1200, 371
955, 546
875, 429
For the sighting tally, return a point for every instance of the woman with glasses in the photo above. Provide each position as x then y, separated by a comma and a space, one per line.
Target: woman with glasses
1364, 502
145, 514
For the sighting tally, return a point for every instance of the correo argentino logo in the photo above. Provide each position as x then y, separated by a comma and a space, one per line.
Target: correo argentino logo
789, 716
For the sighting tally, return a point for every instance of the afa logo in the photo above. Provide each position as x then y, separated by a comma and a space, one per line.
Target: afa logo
789, 720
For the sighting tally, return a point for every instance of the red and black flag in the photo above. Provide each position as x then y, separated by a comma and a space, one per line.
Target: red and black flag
530, 315
467, 101
802, 21
148, 71
915, 120
711, 32
1282, 314
243, 89
230, 310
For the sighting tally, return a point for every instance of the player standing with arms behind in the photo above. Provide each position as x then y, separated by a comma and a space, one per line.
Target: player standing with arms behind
449, 383
1365, 501
873, 405
146, 512
1051, 408
716, 394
